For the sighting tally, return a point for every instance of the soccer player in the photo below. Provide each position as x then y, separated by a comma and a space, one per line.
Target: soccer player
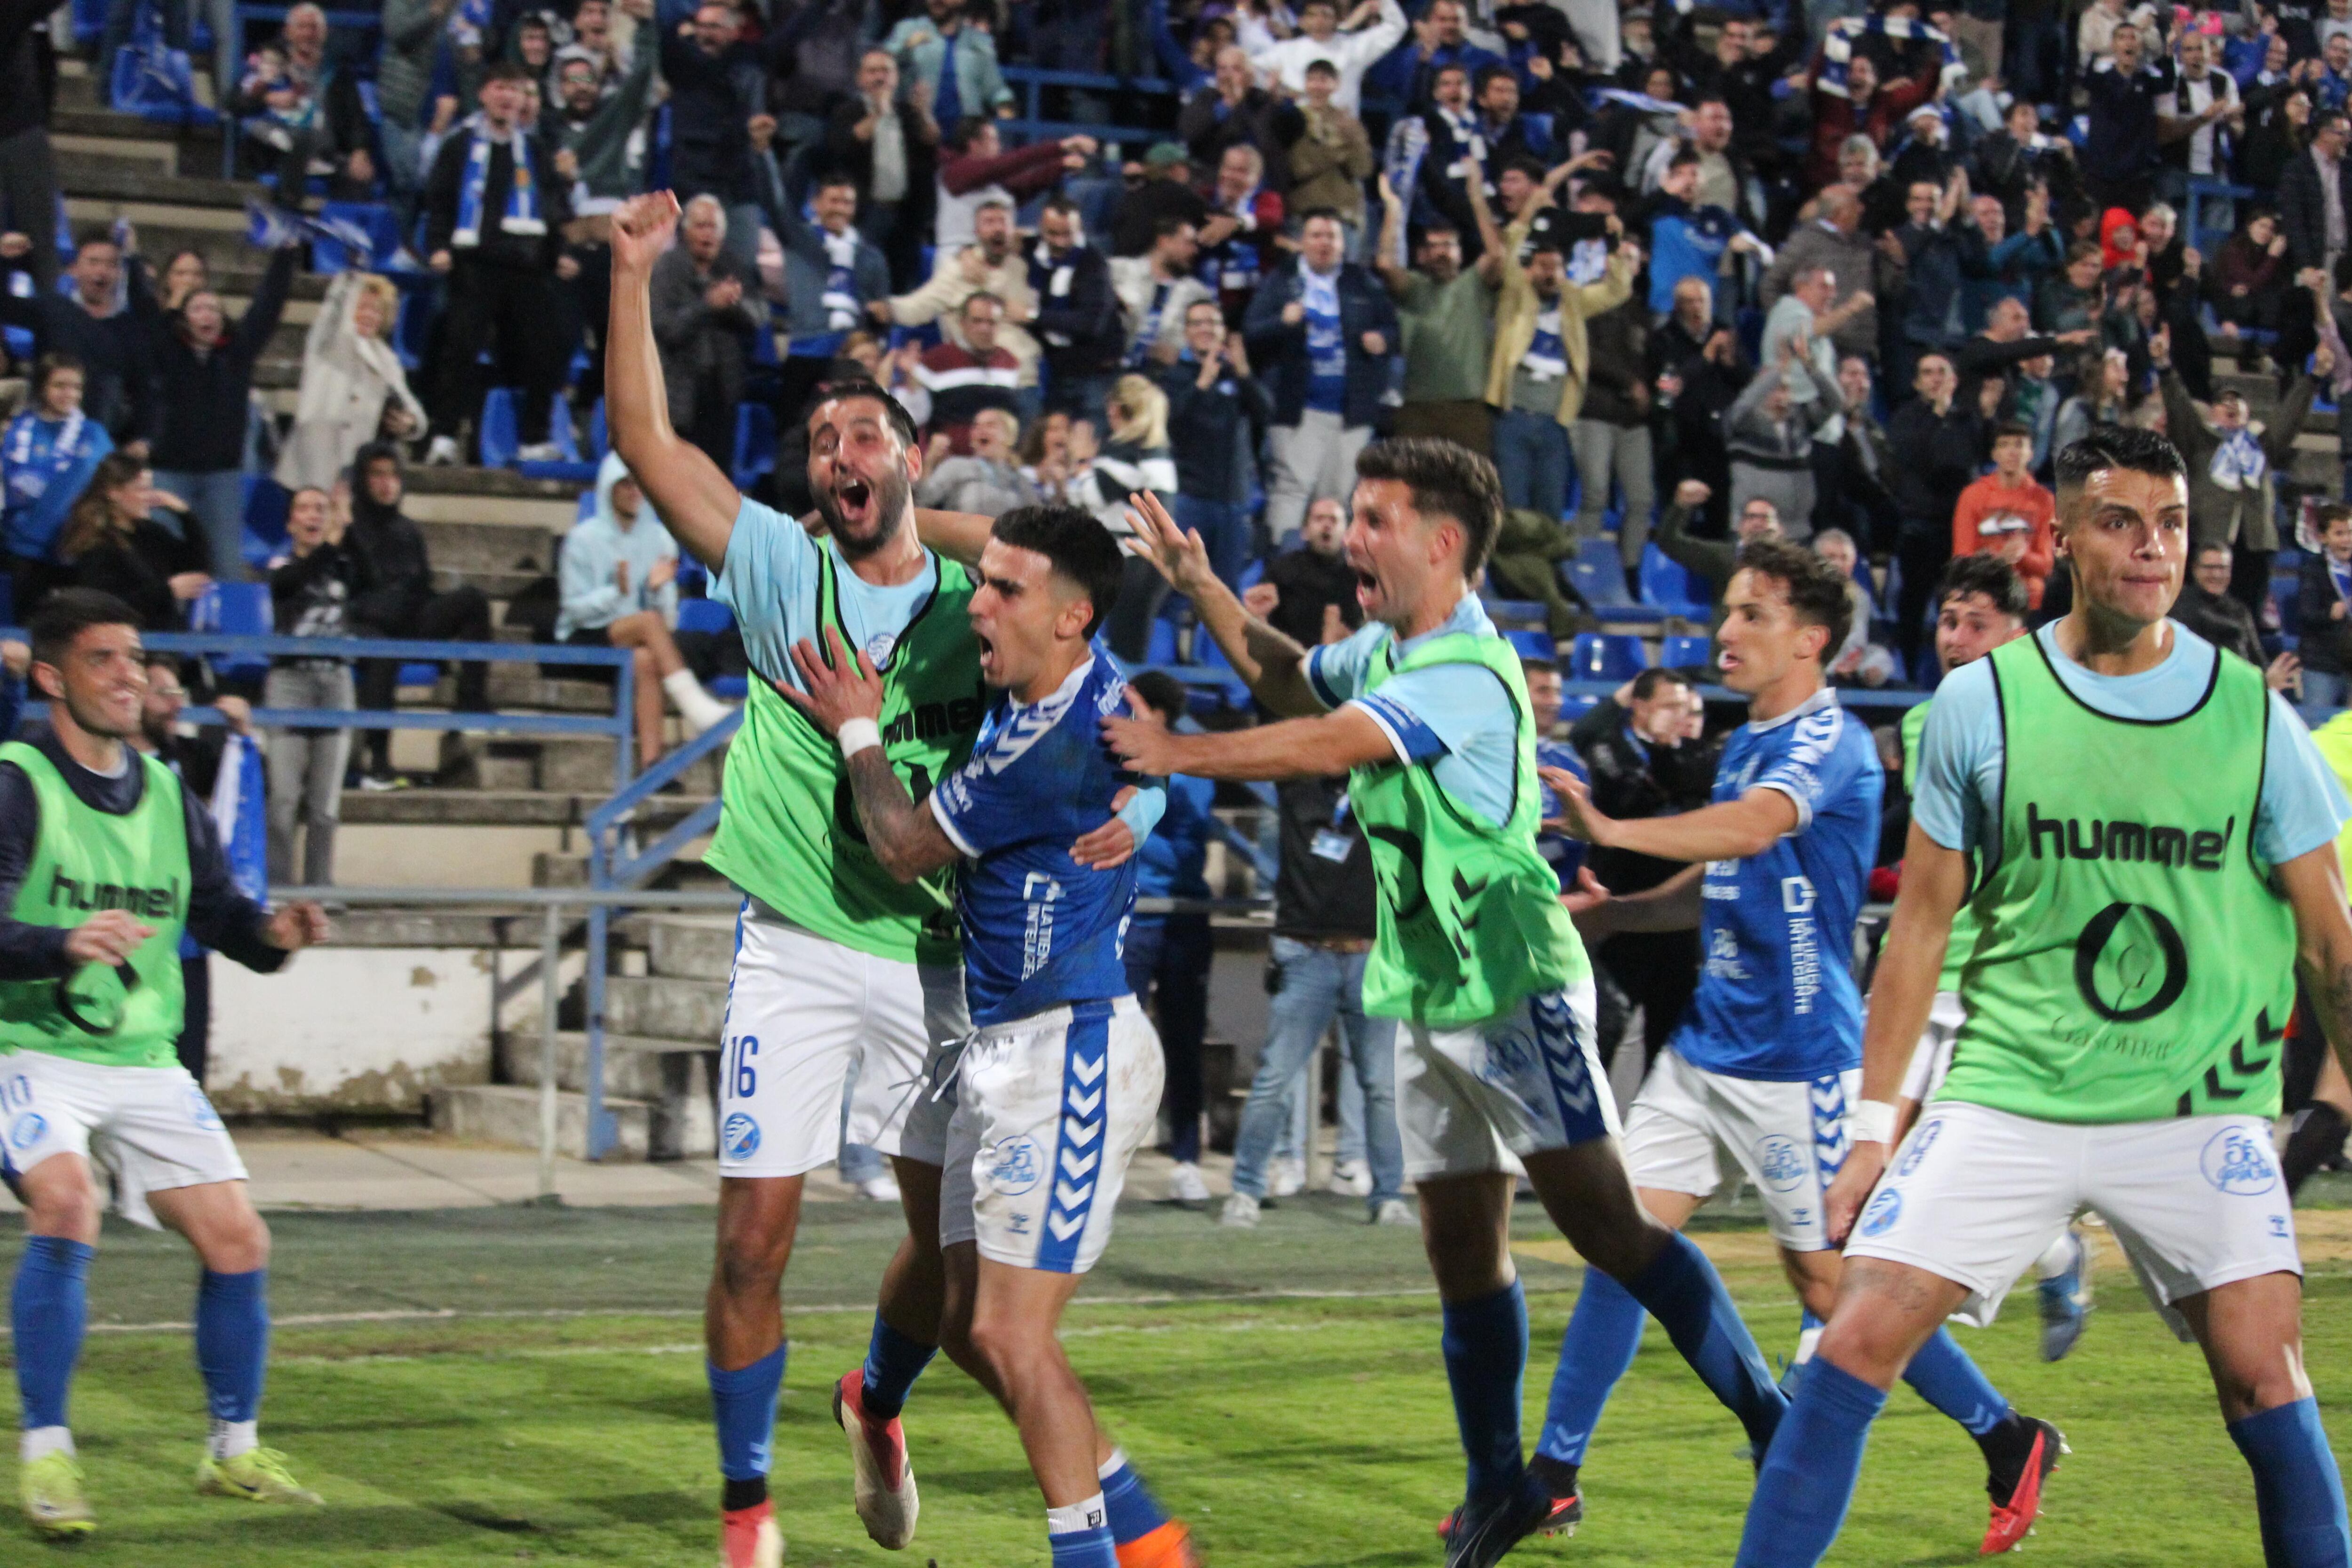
837, 963
1061, 1083
104, 861
1980, 604
1769, 1051
2102, 795
1426, 711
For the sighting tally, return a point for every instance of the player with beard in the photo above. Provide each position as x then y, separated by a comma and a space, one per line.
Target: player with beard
839, 967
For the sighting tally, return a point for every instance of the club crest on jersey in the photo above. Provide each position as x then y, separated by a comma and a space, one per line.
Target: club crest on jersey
1779, 1163
740, 1136
27, 1130
2237, 1163
1921, 1141
1884, 1211
1016, 1169
879, 647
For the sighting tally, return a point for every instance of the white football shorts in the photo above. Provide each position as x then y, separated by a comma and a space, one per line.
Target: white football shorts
152, 1126
1049, 1110
1789, 1138
1931, 1059
801, 1011
1475, 1097
1974, 1195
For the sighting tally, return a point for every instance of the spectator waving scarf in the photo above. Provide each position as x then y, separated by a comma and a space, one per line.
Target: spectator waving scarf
1837, 49
521, 215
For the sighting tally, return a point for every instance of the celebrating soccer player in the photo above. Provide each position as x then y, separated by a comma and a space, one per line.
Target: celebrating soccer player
104, 861
2145, 837
1061, 1085
1427, 712
1768, 1055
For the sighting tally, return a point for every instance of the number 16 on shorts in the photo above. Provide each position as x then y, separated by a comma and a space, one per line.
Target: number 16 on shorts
738, 1082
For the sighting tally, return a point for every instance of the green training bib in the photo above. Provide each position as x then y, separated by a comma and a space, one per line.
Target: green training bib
87, 861
2132, 961
1470, 922
788, 834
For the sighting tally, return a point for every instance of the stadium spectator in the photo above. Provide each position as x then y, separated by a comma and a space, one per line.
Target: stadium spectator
1167, 955
1698, 370
619, 587
1457, 158
2232, 469
1309, 593
2323, 605
1933, 250
1859, 106
2008, 514
494, 217
112, 542
1217, 411
2103, 398
311, 588
983, 478
2194, 122
1372, 28
2314, 191
1611, 435
1232, 110
1541, 361
47, 455
1940, 441
400, 600
1441, 41
2012, 161
2119, 154
2207, 607
1852, 476
835, 280
706, 307
1833, 246
718, 119
1859, 661
2241, 284
354, 389
1159, 188
1241, 238
993, 264
887, 143
203, 373
1156, 289
28, 164
414, 31
1530, 547
1134, 457
970, 373
1713, 559
1077, 318
297, 109
1769, 430
1445, 318
107, 324
1332, 156
1322, 330
596, 138
923, 48
976, 171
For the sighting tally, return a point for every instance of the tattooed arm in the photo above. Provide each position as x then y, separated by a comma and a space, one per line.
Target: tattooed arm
841, 694
905, 837
2313, 885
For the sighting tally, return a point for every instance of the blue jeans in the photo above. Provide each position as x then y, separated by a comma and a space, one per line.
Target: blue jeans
1531, 458
216, 499
1316, 983
1224, 528
2323, 697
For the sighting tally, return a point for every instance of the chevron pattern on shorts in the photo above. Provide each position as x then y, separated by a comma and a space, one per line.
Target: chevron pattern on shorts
1085, 1113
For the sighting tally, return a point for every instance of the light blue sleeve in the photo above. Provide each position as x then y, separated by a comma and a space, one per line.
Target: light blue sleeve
584, 578
1335, 670
770, 566
1459, 717
2303, 804
1959, 759
1142, 813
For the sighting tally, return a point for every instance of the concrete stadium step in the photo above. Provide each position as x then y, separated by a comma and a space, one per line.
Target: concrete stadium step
507, 1114
690, 946
581, 764
495, 497
437, 806
91, 176
564, 869
666, 1007
670, 1076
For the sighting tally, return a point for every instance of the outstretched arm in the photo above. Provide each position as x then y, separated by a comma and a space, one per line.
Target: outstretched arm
959, 536
1296, 748
694, 500
1273, 666
1732, 831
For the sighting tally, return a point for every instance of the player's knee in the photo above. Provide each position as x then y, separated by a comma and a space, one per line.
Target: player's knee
1008, 1347
745, 1271
67, 1206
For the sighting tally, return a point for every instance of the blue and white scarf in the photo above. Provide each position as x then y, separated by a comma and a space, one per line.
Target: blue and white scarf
32, 461
1837, 50
841, 306
1546, 359
521, 215
2238, 463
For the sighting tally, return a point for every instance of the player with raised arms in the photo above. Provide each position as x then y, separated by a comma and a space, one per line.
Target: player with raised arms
1768, 1055
1426, 711
1061, 1083
838, 964
104, 861
2146, 838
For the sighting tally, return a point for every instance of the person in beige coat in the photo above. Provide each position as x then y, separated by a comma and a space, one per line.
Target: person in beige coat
353, 388
992, 264
1535, 380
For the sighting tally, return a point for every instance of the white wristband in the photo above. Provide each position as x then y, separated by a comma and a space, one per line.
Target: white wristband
1871, 1122
856, 735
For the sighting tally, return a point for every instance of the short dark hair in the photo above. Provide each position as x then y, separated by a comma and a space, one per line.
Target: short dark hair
1064, 206
99, 236
1312, 214
2327, 516
1531, 167
1818, 591
836, 180
1646, 683
1534, 664
506, 70
1488, 73
830, 392
1326, 66
68, 612
1161, 692
1968, 575
1075, 543
2011, 429
2115, 446
1685, 156
1448, 480
1162, 228
50, 364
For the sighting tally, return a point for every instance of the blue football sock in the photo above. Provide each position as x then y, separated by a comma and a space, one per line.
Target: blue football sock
1603, 1334
1942, 1374
1084, 1548
2298, 1494
743, 1402
1134, 1511
893, 1361
1684, 1292
1485, 1361
1807, 1482
233, 1341
48, 1309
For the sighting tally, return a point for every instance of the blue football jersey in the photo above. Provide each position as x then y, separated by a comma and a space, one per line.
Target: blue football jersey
1777, 998
1566, 854
1039, 929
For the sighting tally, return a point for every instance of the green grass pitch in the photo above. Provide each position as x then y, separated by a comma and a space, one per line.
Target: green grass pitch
1281, 1390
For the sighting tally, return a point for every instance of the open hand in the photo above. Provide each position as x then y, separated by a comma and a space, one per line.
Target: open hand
1578, 818
1177, 552
836, 685
1145, 745
1586, 896
1865, 1164
1111, 844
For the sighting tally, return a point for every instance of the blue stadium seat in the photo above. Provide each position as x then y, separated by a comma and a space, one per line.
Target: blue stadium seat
755, 444
240, 609
572, 465
1532, 644
1667, 585
587, 506
496, 433
376, 219
1575, 706
1252, 573
704, 615
424, 673
730, 688
1161, 648
1606, 656
266, 502
411, 334
600, 438
1508, 610
1598, 575
1691, 653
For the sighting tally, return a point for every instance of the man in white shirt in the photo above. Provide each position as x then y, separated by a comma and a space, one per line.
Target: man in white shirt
1320, 37
1157, 289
